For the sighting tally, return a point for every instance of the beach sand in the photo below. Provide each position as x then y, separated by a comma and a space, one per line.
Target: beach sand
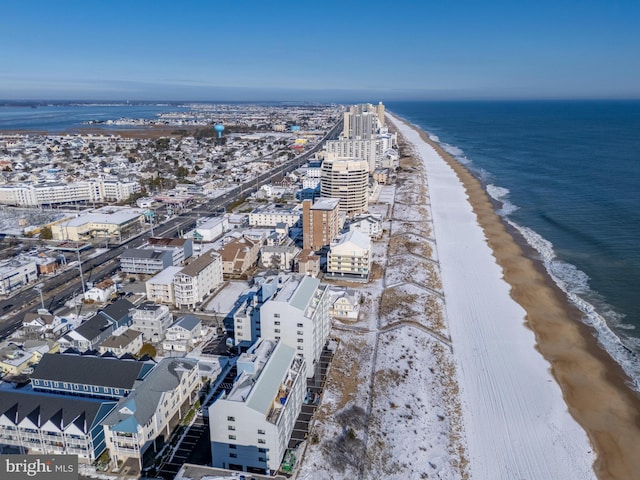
594, 387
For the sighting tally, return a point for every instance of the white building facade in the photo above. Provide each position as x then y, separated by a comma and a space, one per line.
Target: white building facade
250, 427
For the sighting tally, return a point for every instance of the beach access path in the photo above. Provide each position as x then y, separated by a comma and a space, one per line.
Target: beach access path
516, 422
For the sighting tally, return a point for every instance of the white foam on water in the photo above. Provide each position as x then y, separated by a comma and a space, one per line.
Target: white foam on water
575, 284
500, 194
571, 280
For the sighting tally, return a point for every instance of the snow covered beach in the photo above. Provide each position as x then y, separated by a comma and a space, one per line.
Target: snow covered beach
465, 362
516, 421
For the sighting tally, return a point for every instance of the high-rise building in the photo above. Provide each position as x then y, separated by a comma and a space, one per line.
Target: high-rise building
347, 180
320, 222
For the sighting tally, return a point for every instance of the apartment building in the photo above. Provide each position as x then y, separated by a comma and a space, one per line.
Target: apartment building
160, 287
153, 408
145, 261
53, 193
347, 180
152, 320
53, 425
350, 256
272, 215
320, 222
251, 425
238, 256
201, 277
298, 314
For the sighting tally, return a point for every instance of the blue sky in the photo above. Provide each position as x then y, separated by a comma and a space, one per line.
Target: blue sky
306, 50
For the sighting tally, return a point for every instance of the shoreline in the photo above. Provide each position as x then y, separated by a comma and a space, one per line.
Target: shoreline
594, 387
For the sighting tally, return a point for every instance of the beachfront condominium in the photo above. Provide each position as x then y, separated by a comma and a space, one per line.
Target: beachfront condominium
250, 426
362, 121
347, 180
298, 314
320, 222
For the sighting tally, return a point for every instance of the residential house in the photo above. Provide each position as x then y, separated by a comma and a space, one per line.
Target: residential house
129, 342
88, 335
183, 334
307, 263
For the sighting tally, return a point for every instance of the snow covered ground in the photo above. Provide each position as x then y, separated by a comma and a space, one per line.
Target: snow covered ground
516, 422
439, 377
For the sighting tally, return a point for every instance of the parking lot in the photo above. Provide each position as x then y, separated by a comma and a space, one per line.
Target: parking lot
314, 389
190, 445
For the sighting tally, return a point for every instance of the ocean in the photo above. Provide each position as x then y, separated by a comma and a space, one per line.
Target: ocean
567, 174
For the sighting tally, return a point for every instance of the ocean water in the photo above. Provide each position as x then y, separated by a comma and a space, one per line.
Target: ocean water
568, 176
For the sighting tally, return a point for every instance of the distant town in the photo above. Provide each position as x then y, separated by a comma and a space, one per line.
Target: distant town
169, 286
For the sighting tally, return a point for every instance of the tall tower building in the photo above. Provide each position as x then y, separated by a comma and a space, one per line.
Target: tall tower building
320, 223
381, 113
347, 180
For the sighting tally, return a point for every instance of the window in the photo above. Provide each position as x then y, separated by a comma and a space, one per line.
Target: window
233, 455
260, 432
277, 330
299, 332
231, 427
232, 446
300, 348
232, 437
276, 323
300, 325
261, 459
301, 340
262, 440
262, 450
277, 337
276, 315
231, 419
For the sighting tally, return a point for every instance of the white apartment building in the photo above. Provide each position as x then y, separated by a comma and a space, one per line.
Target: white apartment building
193, 283
15, 273
138, 419
35, 195
152, 320
350, 256
298, 315
270, 216
251, 425
348, 148
347, 180
160, 287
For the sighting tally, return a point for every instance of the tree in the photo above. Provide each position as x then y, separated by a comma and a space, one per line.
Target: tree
147, 349
46, 233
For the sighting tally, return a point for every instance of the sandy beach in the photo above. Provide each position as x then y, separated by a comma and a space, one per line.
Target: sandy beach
593, 386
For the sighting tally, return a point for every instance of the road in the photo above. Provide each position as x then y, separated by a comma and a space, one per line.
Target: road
62, 286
